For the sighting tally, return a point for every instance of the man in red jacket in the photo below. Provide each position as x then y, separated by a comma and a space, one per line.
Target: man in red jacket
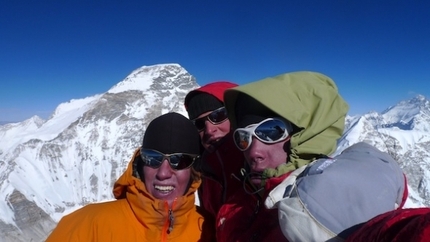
221, 160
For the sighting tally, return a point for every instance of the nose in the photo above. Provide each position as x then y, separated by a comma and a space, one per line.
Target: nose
165, 171
209, 127
254, 153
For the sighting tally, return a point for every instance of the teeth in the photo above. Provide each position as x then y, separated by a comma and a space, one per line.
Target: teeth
214, 141
164, 188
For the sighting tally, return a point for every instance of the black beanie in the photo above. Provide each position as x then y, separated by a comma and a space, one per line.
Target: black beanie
172, 133
250, 111
201, 103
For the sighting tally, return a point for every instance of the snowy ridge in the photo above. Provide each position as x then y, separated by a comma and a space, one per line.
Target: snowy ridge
13, 131
75, 107
36, 128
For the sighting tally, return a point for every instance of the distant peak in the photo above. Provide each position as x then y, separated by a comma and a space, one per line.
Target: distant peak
158, 67
407, 114
419, 101
36, 120
143, 77
419, 98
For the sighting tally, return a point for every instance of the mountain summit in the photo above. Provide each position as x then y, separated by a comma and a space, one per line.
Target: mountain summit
50, 168
409, 114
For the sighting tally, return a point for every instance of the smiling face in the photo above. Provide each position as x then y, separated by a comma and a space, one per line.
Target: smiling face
164, 183
261, 156
213, 133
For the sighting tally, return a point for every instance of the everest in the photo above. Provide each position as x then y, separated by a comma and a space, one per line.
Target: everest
49, 168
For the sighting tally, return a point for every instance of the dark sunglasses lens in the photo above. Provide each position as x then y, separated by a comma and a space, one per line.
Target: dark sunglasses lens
218, 115
271, 130
152, 158
200, 123
241, 138
181, 161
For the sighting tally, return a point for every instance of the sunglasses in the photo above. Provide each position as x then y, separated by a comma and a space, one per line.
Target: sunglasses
216, 117
178, 161
268, 131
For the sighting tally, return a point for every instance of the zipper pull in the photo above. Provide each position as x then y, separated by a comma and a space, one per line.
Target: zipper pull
170, 221
257, 207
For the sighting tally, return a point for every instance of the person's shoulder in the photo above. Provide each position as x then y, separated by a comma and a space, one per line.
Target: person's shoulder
103, 211
362, 147
365, 151
90, 222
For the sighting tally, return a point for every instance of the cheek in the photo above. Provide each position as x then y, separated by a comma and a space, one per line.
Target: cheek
183, 175
279, 156
183, 178
224, 127
148, 177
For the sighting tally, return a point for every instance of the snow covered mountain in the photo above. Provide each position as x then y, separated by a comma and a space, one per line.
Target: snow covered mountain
403, 132
51, 167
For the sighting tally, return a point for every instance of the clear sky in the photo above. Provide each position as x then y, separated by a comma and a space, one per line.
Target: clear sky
378, 52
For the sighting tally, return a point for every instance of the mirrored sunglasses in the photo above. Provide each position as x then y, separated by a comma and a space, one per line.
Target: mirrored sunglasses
178, 161
268, 131
216, 117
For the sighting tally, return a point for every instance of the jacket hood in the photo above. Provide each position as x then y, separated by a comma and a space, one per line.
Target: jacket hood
215, 88
310, 101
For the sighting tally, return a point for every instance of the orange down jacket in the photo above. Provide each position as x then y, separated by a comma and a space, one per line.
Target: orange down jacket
135, 216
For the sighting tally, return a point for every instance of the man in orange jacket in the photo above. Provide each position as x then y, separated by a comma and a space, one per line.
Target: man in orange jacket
155, 195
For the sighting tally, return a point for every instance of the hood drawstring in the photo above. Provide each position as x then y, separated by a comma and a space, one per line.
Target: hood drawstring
248, 186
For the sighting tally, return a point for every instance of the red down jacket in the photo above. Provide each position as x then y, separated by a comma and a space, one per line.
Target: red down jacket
411, 224
218, 181
245, 218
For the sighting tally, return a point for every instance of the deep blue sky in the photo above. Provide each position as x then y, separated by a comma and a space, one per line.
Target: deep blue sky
378, 52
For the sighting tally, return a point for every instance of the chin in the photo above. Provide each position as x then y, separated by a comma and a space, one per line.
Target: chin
210, 148
256, 182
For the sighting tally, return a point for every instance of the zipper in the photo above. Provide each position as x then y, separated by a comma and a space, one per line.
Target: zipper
168, 225
224, 179
170, 221
257, 207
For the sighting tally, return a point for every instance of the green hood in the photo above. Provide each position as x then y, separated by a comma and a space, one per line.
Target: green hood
309, 100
